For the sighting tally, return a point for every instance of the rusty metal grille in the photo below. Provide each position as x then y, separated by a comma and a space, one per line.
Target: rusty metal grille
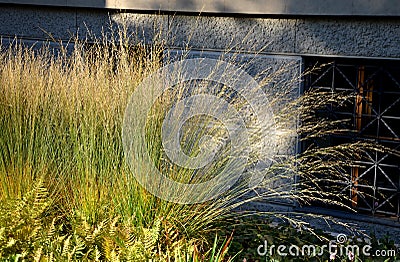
374, 115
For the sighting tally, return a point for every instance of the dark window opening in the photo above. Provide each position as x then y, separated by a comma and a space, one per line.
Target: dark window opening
374, 115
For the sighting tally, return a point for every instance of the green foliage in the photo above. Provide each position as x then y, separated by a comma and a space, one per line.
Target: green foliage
21, 226
27, 234
61, 119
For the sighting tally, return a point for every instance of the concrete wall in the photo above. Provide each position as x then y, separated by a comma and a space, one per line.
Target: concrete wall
317, 36
336, 36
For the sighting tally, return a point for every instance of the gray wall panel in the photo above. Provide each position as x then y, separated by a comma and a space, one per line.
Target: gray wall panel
36, 22
375, 38
269, 35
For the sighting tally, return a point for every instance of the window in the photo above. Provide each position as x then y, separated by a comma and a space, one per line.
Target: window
374, 115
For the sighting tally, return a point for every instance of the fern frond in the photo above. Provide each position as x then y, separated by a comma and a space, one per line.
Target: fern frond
97, 254
38, 254
66, 246
79, 247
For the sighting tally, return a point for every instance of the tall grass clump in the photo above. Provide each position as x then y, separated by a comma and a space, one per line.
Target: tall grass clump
61, 122
60, 118
66, 191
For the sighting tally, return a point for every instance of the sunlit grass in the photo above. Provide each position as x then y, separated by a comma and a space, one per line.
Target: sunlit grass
61, 119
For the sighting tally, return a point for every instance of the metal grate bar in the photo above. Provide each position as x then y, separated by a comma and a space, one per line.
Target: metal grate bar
375, 185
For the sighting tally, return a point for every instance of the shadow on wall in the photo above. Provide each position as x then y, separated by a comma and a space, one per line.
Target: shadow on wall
362, 37
344, 36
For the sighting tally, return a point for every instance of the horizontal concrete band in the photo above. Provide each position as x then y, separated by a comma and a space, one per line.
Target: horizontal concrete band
332, 36
276, 7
